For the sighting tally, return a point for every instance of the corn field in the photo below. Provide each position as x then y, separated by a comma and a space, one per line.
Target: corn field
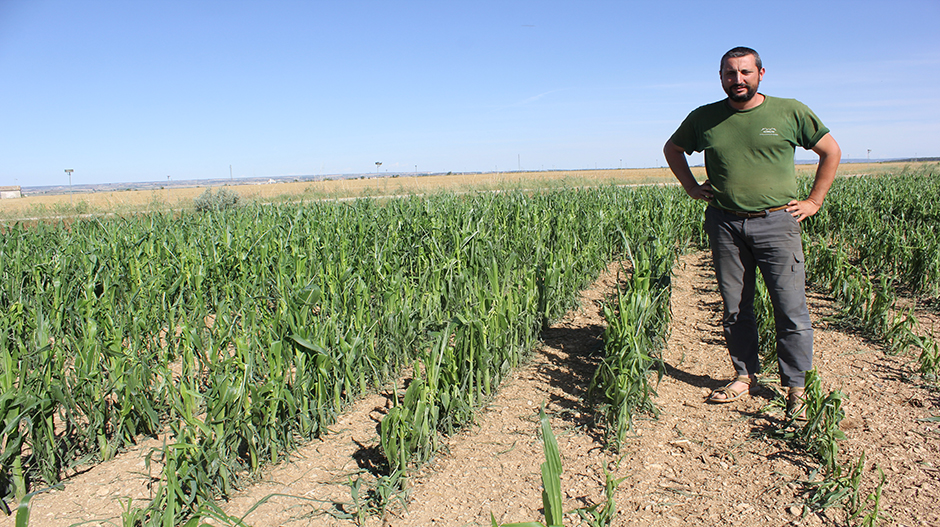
243, 332
876, 242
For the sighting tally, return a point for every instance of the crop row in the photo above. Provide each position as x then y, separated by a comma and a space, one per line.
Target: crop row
877, 242
244, 332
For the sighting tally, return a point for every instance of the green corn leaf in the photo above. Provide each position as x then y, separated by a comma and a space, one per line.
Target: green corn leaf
22, 512
551, 474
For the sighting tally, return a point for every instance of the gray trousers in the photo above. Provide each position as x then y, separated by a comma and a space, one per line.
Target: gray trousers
772, 244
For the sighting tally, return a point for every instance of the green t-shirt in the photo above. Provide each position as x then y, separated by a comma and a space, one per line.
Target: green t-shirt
749, 153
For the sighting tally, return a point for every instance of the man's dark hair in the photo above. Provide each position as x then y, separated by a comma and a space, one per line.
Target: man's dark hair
737, 52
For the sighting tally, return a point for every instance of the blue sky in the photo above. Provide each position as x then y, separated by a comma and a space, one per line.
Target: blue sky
127, 91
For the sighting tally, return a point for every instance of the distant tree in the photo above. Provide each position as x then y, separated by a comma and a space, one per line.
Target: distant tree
221, 200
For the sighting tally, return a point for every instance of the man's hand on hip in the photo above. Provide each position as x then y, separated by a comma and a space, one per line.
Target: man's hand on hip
802, 209
702, 192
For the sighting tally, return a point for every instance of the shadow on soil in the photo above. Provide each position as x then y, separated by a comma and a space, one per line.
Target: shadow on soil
573, 355
370, 459
764, 429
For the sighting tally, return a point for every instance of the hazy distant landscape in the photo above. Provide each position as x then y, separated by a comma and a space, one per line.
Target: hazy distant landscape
261, 180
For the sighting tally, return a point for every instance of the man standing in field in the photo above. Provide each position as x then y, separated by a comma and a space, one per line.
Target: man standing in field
753, 215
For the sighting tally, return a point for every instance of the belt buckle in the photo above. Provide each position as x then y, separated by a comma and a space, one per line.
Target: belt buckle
749, 215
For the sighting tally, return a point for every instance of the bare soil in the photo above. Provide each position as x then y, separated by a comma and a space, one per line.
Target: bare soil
696, 464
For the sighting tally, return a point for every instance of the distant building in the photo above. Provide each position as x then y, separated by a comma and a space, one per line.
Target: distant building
10, 192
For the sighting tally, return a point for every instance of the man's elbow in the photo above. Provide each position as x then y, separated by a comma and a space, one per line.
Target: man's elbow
828, 148
836, 151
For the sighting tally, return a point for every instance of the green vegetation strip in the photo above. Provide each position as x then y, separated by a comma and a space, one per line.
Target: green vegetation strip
243, 331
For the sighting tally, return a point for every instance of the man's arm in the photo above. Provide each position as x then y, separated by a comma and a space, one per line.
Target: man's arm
829, 156
675, 157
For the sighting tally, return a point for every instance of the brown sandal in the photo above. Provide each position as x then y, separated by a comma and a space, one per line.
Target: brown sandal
731, 395
796, 404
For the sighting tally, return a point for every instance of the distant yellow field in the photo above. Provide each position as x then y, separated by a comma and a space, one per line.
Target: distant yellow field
177, 198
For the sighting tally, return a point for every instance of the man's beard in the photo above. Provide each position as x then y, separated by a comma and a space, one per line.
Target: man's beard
746, 96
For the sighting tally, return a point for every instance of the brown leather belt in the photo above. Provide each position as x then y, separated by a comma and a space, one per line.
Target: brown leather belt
759, 214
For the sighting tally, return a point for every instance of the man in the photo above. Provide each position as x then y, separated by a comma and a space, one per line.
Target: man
753, 215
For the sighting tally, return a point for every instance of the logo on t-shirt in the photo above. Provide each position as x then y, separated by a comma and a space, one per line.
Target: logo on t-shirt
768, 131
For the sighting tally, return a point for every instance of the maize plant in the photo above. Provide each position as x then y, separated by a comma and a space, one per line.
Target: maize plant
243, 331
633, 341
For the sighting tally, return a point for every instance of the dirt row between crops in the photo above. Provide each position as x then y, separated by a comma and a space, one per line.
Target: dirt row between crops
697, 464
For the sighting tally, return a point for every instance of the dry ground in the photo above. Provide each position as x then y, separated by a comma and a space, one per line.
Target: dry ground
697, 464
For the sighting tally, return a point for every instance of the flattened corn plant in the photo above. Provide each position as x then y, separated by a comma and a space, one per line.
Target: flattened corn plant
638, 320
864, 261
243, 332
875, 238
834, 483
637, 328
581, 232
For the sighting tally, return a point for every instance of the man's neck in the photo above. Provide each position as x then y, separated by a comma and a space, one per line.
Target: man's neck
753, 102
